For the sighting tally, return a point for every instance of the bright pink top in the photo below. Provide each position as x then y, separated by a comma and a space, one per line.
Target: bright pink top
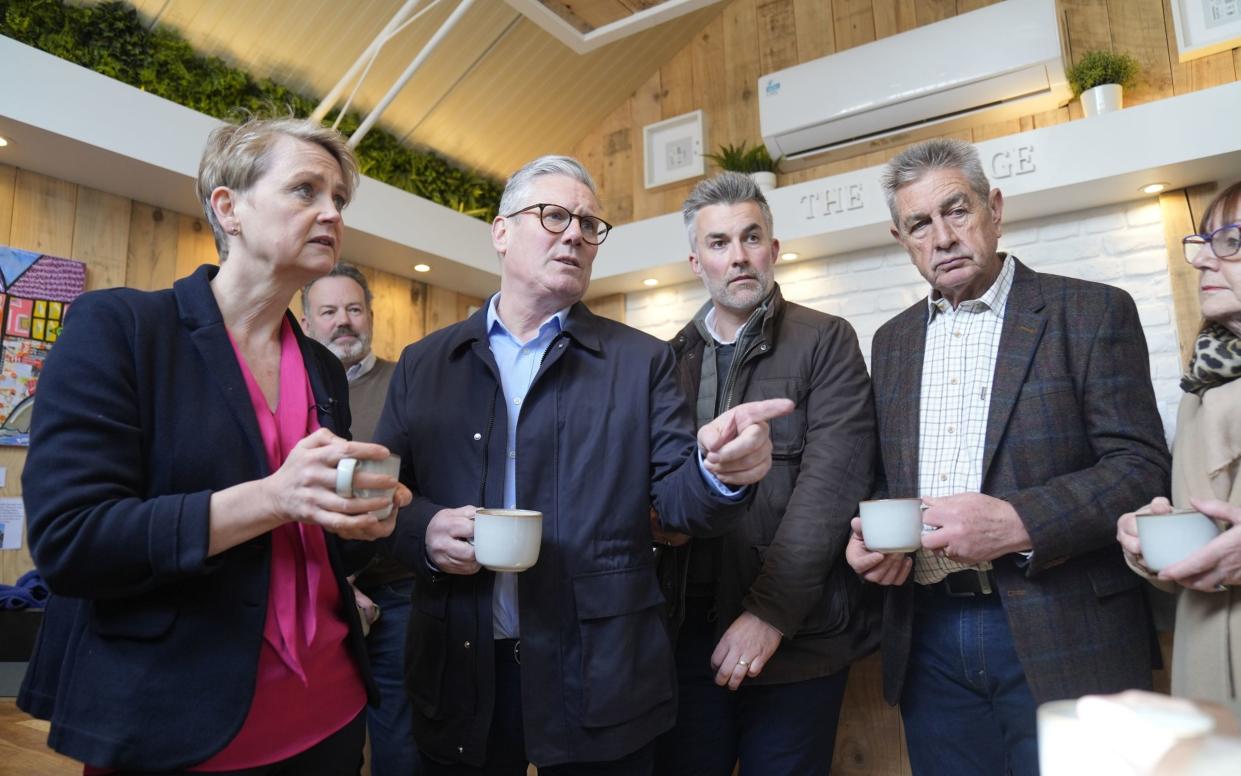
309, 686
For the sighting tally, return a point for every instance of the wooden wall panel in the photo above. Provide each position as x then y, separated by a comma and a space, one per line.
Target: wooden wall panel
101, 237
644, 109
400, 315
752, 37
8, 182
152, 255
441, 308
777, 35
1178, 222
853, 23
195, 245
42, 217
609, 307
741, 71
816, 36
1138, 29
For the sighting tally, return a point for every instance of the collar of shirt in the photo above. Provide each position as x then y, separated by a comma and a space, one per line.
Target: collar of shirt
496, 327
358, 370
995, 297
709, 321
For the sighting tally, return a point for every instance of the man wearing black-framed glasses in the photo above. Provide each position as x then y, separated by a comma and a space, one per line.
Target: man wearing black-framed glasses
536, 403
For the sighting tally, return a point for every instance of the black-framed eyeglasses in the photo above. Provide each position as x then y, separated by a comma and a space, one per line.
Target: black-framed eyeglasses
1224, 242
556, 219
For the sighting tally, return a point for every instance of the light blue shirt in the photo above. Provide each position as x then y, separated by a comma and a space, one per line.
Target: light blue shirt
518, 364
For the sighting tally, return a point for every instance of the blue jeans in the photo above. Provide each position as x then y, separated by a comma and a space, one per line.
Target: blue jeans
391, 724
770, 729
966, 706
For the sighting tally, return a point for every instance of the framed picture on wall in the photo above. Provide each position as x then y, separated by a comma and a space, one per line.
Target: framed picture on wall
1205, 27
672, 149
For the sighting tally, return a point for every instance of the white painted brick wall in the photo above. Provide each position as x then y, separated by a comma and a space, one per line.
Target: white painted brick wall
1122, 245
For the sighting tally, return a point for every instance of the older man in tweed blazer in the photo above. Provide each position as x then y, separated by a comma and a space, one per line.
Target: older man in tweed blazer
1018, 406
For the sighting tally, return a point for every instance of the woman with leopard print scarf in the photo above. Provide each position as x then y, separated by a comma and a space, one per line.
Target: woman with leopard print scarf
1206, 471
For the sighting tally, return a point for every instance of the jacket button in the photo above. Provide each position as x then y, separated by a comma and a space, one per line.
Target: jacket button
466, 645
762, 347
461, 750
477, 436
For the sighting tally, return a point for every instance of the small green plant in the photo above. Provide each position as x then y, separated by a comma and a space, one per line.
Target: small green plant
1096, 68
742, 159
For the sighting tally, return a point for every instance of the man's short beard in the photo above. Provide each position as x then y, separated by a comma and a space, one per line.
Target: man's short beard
353, 352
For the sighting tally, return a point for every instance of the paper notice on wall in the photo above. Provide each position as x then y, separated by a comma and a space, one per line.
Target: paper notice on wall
12, 522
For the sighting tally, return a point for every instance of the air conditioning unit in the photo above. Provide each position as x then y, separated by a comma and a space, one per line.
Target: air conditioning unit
995, 63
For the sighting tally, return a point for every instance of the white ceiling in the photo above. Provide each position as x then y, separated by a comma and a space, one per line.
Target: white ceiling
497, 92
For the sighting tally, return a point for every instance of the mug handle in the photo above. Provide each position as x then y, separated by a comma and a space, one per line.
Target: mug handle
344, 477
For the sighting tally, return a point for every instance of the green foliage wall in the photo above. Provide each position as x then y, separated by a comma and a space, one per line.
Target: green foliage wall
111, 39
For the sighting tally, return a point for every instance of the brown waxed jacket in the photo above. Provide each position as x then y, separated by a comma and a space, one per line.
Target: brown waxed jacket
784, 562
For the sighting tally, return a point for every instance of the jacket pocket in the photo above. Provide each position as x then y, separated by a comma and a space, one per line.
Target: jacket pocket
128, 618
833, 614
788, 432
626, 654
1108, 580
427, 652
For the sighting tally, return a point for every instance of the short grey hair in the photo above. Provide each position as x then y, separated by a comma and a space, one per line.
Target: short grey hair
518, 186
727, 188
341, 270
938, 154
237, 155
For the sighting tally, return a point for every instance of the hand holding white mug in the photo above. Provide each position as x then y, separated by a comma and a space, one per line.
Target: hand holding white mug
369, 478
1127, 531
1216, 565
877, 567
303, 489
448, 541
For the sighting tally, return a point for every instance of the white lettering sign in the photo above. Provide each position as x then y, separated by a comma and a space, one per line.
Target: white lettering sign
832, 201
1016, 161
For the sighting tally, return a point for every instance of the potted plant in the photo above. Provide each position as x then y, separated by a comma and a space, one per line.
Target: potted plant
1099, 77
755, 162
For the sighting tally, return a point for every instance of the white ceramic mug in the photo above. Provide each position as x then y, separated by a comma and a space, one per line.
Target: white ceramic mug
892, 524
346, 468
507, 539
1170, 538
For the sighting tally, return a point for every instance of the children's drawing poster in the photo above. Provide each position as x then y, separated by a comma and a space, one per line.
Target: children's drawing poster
35, 293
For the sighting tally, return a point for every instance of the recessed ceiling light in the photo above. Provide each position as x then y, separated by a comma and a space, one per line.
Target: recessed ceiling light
1154, 188
3, 141
650, 282
422, 268
790, 256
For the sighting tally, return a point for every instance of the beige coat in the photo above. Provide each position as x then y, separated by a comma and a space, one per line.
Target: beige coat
1206, 462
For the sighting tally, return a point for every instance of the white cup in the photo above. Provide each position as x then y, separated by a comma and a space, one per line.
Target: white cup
507, 539
1170, 538
347, 467
892, 524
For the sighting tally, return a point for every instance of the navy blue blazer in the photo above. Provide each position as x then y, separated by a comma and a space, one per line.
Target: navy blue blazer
149, 649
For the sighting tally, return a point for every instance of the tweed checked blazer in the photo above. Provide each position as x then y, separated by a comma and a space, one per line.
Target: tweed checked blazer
1073, 441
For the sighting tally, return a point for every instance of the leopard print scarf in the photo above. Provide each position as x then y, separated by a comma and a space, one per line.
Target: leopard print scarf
1216, 360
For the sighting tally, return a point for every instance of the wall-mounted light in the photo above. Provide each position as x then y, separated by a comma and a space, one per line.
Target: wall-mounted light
1154, 188
650, 282
790, 256
3, 141
422, 268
